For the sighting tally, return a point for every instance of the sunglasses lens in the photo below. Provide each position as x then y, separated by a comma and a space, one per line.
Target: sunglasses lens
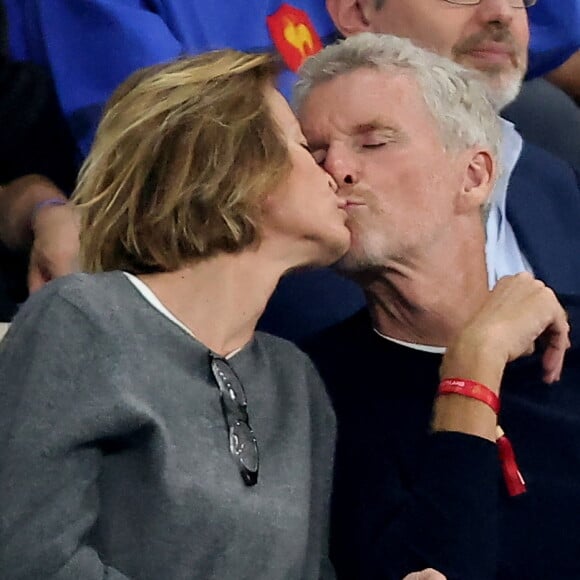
242, 441
244, 448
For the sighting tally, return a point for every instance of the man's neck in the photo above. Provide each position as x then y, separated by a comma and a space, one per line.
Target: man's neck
429, 300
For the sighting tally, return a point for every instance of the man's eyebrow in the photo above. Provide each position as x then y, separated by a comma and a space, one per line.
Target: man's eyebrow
376, 125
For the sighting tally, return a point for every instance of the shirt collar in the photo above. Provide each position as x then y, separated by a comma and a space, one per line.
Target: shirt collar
413, 345
510, 150
154, 301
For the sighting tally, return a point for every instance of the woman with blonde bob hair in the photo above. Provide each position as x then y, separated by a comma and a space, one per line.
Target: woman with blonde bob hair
147, 430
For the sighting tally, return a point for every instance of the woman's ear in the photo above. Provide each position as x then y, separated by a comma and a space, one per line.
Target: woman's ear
478, 182
350, 16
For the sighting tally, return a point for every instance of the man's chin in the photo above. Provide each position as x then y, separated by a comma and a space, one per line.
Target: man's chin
502, 89
504, 96
352, 264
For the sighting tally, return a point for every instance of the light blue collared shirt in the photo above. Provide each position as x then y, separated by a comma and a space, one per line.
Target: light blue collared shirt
502, 251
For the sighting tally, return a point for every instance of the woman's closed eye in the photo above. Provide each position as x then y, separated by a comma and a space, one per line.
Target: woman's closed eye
318, 155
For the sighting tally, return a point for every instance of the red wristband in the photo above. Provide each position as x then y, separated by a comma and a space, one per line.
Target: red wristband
514, 480
471, 389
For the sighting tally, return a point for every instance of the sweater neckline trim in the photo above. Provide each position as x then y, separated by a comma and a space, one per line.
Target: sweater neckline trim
154, 301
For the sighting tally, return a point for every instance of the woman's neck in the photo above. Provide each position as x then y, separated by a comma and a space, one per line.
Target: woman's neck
219, 299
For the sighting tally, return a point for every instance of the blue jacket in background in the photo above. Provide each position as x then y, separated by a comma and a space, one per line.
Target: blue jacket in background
90, 46
555, 34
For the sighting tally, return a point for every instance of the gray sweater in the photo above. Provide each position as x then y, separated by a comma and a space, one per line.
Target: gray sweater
114, 459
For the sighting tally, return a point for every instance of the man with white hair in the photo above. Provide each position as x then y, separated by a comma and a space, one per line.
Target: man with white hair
535, 206
492, 36
536, 202
424, 474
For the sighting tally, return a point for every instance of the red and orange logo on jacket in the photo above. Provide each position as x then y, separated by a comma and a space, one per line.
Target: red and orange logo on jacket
293, 34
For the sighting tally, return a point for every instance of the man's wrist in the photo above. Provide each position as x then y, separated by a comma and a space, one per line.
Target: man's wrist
470, 389
476, 362
464, 415
17, 200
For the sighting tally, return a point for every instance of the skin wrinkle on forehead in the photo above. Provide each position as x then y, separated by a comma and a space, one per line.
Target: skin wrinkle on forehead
372, 126
382, 126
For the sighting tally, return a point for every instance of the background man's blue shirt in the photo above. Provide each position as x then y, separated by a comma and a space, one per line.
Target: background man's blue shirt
555, 34
92, 46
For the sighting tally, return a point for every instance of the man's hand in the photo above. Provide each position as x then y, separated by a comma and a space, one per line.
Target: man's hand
519, 311
428, 574
55, 246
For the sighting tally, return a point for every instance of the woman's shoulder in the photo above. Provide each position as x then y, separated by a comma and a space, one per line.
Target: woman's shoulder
76, 302
288, 361
281, 348
86, 292
292, 367
61, 331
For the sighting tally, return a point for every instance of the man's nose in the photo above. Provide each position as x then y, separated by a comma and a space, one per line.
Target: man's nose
496, 11
341, 167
